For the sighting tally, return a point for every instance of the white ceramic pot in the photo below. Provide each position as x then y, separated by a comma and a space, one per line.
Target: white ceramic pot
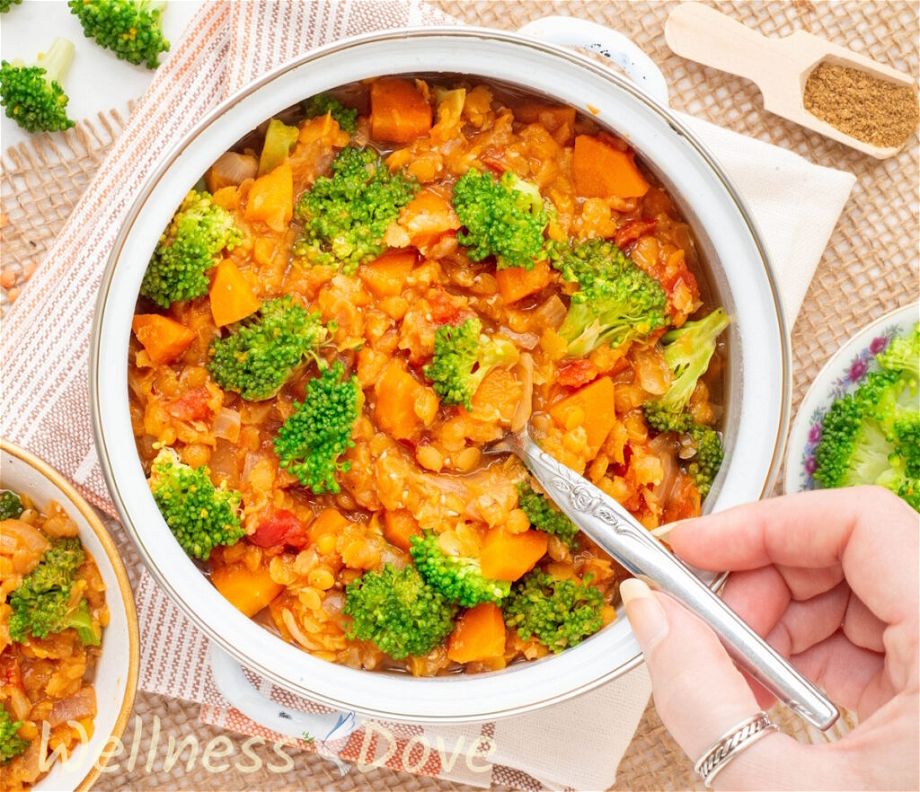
758, 373
115, 678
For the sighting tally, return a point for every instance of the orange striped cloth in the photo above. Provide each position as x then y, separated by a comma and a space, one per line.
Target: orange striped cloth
44, 398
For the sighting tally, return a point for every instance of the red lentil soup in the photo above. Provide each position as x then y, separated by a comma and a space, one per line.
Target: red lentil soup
413, 465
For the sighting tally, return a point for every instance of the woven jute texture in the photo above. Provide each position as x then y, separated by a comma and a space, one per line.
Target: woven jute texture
869, 268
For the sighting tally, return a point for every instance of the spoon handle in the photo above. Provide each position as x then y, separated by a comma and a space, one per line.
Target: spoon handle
620, 535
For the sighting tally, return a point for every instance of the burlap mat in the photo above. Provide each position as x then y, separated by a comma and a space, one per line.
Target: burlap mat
869, 268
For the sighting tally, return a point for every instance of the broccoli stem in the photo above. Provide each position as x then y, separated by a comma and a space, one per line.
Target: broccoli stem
56, 61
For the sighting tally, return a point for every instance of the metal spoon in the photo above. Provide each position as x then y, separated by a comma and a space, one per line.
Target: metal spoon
626, 540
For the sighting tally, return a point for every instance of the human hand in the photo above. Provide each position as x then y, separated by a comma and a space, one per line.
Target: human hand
831, 579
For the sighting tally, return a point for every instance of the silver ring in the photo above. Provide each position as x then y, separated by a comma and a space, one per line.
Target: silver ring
737, 739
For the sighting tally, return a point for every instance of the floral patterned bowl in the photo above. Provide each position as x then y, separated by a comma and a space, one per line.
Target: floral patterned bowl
840, 375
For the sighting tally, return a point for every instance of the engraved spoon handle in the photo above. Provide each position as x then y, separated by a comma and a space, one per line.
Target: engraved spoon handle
620, 535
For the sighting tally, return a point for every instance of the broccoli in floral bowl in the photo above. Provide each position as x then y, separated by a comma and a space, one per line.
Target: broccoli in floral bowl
859, 423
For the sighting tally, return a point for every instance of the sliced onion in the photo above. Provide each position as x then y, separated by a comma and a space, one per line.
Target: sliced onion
249, 465
232, 168
523, 340
19, 703
21, 533
525, 405
81, 704
296, 633
227, 424
549, 313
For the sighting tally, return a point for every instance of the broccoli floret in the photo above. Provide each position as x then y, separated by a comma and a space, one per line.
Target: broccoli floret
199, 231
458, 578
853, 448
544, 515
260, 354
905, 436
310, 442
33, 95
42, 603
558, 613
687, 352
323, 104
11, 744
463, 356
10, 505
703, 441
903, 354
398, 611
872, 436
345, 215
504, 218
132, 29
200, 515
6, 5
616, 300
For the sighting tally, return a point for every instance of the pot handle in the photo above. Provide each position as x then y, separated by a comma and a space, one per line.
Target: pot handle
572, 32
238, 691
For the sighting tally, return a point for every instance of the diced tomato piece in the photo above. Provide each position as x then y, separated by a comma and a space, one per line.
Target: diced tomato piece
444, 310
577, 373
280, 527
632, 230
191, 406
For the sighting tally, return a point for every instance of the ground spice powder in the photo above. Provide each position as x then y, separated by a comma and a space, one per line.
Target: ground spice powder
874, 111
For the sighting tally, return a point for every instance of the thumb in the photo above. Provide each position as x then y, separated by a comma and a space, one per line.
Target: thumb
700, 695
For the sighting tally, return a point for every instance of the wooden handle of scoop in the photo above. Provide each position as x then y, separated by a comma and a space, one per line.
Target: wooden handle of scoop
704, 35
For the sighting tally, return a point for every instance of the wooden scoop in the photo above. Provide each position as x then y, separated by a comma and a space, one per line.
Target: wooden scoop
779, 67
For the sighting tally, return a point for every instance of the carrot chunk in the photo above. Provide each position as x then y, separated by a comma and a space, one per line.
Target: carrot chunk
516, 283
162, 338
231, 297
386, 275
328, 521
590, 407
399, 112
248, 591
602, 171
399, 527
479, 635
508, 556
271, 198
396, 392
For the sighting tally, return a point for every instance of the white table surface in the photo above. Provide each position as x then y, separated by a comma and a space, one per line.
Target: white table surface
97, 80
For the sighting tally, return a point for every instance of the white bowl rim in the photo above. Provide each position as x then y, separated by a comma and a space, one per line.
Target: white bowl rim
124, 589
817, 390
226, 613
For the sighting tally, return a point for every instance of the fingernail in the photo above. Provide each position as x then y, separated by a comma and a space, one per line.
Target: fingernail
646, 616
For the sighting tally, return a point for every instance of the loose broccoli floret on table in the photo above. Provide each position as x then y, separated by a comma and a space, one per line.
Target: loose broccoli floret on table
33, 95
558, 613
323, 104
345, 215
43, 604
6, 5
458, 578
199, 231
260, 354
200, 515
463, 356
616, 300
504, 218
310, 443
544, 515
11, 744
398, 611
10, 505
132, 29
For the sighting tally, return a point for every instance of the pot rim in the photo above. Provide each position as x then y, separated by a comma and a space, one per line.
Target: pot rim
165, 164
